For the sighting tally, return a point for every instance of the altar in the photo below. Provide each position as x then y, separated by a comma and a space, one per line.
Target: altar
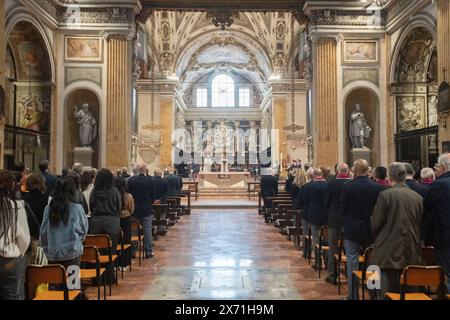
231, 180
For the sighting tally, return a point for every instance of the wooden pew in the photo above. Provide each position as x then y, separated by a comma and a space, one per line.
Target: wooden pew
161, 220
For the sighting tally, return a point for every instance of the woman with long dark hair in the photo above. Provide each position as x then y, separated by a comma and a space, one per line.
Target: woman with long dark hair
106, 204
64, 226
14, 238
125, 214
36, 196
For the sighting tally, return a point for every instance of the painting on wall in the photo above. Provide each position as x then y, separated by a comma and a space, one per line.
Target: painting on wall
33, 113
360, 51
411, 113
83, 49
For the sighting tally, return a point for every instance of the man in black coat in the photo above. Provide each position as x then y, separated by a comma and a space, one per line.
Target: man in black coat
437, 212
335, 216
269, 188
413, 184
300, 204
50, 180
142, 188
358, 201
314, 199
161, 186
173, 183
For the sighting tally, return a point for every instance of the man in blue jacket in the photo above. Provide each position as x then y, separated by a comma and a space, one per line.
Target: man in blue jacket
300, 204
49, 179
142, 188
358, 201
314, 199
437, 211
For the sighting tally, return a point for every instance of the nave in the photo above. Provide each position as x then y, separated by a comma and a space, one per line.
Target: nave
222, 254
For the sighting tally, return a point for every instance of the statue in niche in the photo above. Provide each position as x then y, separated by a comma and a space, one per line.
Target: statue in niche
87, 124
359, 129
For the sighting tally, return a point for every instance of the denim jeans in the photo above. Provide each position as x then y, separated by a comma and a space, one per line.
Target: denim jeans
12, 278
147, 224
305, 226
333, 238
315, 230
352, 251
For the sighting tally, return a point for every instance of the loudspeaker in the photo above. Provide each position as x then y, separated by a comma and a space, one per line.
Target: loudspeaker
444, 97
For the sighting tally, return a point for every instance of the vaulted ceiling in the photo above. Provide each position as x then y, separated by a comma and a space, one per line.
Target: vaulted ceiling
255, 46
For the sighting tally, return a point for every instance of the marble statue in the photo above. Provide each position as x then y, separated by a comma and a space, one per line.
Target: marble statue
359, 129
87, 124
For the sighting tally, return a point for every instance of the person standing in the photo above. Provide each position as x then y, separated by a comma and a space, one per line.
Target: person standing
269, 188
314, 199
50, 180
335, 216
173, 183
437, 211
396, 226
412, 183
64, 226
161, 186
125, 215
380, 175
14, 239
358, 200
36, 196
142, 188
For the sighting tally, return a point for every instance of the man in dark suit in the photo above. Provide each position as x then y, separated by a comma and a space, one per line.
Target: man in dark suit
300, 204
358, 201
437, 211
161, 186
413, 184
335, 216
314, 199
142, 188
173, 183
269, 188
50, 180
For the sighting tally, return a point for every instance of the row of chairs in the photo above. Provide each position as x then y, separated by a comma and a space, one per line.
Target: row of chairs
288, 222
99, 256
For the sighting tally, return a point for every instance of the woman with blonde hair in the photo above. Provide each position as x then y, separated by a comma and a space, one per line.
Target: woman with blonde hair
300, 180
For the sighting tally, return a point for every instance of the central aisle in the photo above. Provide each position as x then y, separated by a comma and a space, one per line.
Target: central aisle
223, 254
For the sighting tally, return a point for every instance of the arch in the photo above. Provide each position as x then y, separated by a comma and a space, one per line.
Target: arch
419, 21
223, 91
75, 95
367, 95
24, 15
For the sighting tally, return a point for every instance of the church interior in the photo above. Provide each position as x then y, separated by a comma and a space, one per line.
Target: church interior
222, 93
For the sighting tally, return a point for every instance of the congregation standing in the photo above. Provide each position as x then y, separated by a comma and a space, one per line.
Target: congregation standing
394, 210
45, 219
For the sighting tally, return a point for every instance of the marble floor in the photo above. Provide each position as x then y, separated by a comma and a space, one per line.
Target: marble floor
223, 254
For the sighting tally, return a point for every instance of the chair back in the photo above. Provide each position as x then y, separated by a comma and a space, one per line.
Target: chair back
101, 241
323, 235
423, 276
90, 254
428, 256
51, 274
135, 226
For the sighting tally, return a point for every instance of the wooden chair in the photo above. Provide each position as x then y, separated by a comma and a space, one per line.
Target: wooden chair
341, 259
137, 232
160, 219
362, 275
420, 276
103, 242
92, 256
122, 249
321, 248
52, 274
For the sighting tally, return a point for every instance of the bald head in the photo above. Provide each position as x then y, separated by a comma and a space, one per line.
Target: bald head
343, 168
317, 173
142, 168
361, 168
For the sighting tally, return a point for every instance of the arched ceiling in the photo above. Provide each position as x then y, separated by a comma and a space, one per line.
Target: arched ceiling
256, 45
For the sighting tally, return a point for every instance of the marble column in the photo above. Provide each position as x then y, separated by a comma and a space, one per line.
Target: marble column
443, 32
2, 77
119, 100
279, 121
325, 97
167, 112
